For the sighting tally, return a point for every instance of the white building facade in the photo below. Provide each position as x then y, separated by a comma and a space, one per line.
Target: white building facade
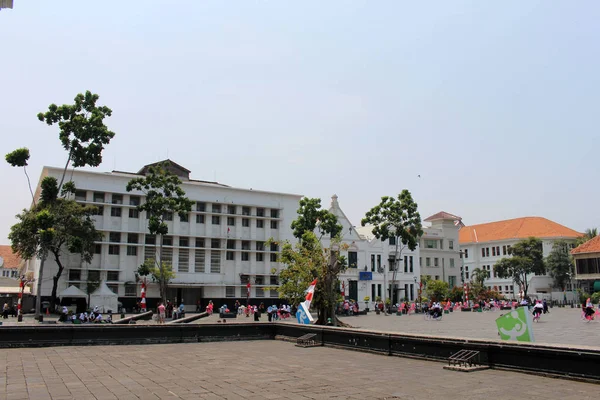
215, 251
439, 249
485, 244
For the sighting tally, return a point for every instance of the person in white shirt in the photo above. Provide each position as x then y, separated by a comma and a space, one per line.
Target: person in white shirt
538, 308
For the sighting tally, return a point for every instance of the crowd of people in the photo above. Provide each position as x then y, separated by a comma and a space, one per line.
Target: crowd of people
93, 316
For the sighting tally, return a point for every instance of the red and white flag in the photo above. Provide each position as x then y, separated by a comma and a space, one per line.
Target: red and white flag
248, 289
310, 292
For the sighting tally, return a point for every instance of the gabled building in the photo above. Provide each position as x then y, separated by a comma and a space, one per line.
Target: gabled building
587, 265
485, 244
439, 255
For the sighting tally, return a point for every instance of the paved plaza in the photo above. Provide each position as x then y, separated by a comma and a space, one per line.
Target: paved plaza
255, 370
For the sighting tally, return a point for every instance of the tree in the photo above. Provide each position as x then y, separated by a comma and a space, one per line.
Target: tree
311, 217
82, 131
589, 233
398, 219
526, 258
19, 158
479, 276
53, 226
560, 264
437, 290
149, 267
456, 294
164, 196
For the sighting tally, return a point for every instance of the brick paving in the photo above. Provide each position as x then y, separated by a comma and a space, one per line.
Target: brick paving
255, 370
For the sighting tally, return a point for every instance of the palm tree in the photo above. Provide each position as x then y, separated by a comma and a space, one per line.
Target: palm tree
479, 276
589, 233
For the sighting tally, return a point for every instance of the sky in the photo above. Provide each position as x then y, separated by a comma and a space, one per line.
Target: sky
493, 104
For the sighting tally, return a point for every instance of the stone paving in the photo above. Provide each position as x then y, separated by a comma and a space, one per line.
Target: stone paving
255, 370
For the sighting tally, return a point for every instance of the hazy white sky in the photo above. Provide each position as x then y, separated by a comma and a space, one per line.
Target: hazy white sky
494, 104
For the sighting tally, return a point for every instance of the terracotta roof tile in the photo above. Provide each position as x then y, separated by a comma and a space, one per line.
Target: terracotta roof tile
591, 246
518, 228
11, 260
442, 215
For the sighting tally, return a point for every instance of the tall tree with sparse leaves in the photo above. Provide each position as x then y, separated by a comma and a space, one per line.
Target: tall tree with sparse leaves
526, 258
19, 158
312, 217
163, 195
396, 218
560, 264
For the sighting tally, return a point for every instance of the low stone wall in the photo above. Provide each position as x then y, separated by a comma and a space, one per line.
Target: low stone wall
563, 361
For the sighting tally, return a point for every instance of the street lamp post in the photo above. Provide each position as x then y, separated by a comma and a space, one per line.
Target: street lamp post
462, 272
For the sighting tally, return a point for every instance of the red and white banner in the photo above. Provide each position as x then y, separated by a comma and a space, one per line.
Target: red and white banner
248, 289
309, 295
143, 295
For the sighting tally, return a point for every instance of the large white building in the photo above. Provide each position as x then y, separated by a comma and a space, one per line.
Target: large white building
215, 250
485, 244
439, 249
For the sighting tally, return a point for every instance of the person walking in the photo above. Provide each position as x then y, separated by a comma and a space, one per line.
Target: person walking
5, 309
161, 313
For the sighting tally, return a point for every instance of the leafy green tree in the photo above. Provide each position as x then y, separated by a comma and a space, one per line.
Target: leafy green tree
456, 294
398, 219
527, 258
560, 264
82, 131
54, 227
19, 158
311, 217
164, 196
437, 290
150, 267
479, 276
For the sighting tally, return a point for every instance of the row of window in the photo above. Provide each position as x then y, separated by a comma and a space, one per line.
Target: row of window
409, 291
436, 262
10, 273
230, 291
150, 240
437, 243
93, 275
485, 251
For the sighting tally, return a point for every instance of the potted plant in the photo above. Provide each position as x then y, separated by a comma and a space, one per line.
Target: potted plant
366, 300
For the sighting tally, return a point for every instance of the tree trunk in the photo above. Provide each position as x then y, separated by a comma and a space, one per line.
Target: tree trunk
55, 278
62, 179
161, 281
38, 299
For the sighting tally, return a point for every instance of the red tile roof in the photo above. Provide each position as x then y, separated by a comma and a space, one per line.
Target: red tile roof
10, 259
442, 215
518, 228
591, 246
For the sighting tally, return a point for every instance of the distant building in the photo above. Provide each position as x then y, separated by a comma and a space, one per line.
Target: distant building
439, 253
485, 244
587, 265
10, 263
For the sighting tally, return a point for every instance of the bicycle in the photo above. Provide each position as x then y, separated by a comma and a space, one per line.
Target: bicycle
429, 317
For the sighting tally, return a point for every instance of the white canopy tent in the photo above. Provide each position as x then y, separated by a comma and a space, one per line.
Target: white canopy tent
104, 298
74, 292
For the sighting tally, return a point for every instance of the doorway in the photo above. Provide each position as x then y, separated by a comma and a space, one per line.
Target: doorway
353, 290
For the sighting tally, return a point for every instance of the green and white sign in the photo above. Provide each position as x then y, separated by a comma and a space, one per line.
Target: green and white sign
516, 325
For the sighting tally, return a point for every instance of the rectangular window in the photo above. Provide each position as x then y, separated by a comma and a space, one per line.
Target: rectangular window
378, 262
497, 250
231, 244
260, 212
405, 264
245, 210
130, 291
274, 247
231, 209
427, 262
200, 206
114, 237
437, 277
150, 239
379, 290
487, 251
451, 244
97, 248
230, 256
441, 244
229, 291
113, 250
245, 222
259, 292
260, 257
112, 276
274, 213
93, 275
98, 197
115, 211
199, 261
131, 251
74, 275
167, 241
260, 223
430, 244
230, 221
184, 242
149, 253
482, 252
245, 256
372, 262
215, 262
99, 211
199, 218
168, 216
466, 253
134, 213
80, 195
216, 220
412, 292
493, 251
199, 242
215, 243
273, 257
503, 250
132, 238
184, 218
216, 208
184, 260
373, 286
117, 198
411, 265
451, 262
392, 240
273, 293
245, 245
274, 224
134, 200
436, 262
260, 246
352, 259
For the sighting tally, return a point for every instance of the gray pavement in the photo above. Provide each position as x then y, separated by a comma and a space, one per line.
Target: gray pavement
255, 370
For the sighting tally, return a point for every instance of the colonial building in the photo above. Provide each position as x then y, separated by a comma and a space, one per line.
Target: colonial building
215, 250
485, 244
11, 268
587, 265
439, 248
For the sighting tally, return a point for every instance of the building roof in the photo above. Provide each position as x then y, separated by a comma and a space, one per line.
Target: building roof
8, 259
591, 246
442, 215
518, 228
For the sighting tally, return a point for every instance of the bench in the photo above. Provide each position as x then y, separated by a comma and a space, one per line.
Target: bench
308, 340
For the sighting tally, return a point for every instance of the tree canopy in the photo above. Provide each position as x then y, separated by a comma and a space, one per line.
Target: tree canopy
560, 264
527, 258
311, 216
437, 290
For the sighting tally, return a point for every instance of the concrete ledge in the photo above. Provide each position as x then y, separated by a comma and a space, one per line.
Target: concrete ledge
191, 318
139, 317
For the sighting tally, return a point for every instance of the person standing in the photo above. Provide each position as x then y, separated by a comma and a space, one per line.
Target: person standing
5, 311
161, 313
546, 311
